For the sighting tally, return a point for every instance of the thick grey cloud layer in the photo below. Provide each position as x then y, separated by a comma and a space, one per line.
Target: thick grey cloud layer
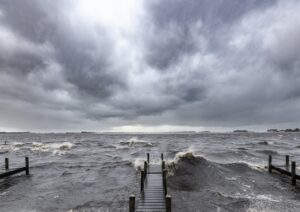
177, 63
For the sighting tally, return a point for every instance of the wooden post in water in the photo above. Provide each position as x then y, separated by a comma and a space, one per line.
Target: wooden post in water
287, 162
145, 168
293, 173
168, 203
165, 181
270, 163
27, 165
132, 203
163, 165
162, 156
6, 164
148, 158
142, 180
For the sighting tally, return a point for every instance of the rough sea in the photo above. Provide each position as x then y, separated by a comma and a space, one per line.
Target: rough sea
221, 172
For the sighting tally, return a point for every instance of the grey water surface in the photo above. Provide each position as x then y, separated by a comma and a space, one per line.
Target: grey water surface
97, 172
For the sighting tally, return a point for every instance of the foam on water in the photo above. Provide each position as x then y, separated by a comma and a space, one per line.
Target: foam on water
134, 141
54, 148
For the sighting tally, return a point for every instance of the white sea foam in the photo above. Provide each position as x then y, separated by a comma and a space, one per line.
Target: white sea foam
138, 163
189, 153
256, 166
134, 141
55, 148
231, 178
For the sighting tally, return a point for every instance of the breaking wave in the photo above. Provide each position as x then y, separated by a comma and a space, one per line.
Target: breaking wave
134, 141
218, 184
54, 148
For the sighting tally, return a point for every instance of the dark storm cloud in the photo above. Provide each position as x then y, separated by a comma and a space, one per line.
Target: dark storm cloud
176, 22
85, 59
192, 63
253, 68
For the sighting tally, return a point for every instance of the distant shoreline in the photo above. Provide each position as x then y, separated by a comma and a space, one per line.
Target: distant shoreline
162, 133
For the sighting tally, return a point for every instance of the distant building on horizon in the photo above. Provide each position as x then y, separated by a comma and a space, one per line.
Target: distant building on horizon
240, 131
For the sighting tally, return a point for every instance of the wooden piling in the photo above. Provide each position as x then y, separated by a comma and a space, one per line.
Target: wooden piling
270, 163
6, 163
163, 165
287, 162
145, 168
132, 203
27, 165
142, 180
148, 158
293, 173
10, 172
165, 181
162, 156
168, 203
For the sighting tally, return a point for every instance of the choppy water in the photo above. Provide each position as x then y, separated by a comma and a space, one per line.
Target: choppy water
98, 172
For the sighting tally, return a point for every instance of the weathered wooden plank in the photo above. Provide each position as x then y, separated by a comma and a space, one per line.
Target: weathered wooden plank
12, 172
152, 203
153, 196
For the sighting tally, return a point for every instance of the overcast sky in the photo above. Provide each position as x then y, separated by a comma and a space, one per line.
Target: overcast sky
140, 65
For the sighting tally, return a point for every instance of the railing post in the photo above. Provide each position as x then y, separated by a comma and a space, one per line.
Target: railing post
145, 167
165, 181
293, 173
287, 162
148, 158
168, 203
142, 180
163, 165
6, 163
27, 165
162, 156
132, 203
270, 163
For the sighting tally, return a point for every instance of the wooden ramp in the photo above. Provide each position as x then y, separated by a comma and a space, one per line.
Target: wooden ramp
153, 196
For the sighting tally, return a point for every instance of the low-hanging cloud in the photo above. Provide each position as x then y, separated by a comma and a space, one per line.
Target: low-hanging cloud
182, 63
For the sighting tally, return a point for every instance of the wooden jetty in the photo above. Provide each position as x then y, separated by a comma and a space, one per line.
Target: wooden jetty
153, 196
9, 172
286, 170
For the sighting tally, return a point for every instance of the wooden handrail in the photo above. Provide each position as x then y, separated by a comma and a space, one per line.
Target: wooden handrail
286, 171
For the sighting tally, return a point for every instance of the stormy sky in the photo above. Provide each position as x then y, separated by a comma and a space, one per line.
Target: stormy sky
140, 65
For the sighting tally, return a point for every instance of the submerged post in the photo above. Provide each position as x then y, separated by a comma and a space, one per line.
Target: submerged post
142, 180
293, 173
168, 203
287, 162
131, 203
162, 156
165, 181
6, 164
163, 165
148, 158
145, 168
27, 165
270, 163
